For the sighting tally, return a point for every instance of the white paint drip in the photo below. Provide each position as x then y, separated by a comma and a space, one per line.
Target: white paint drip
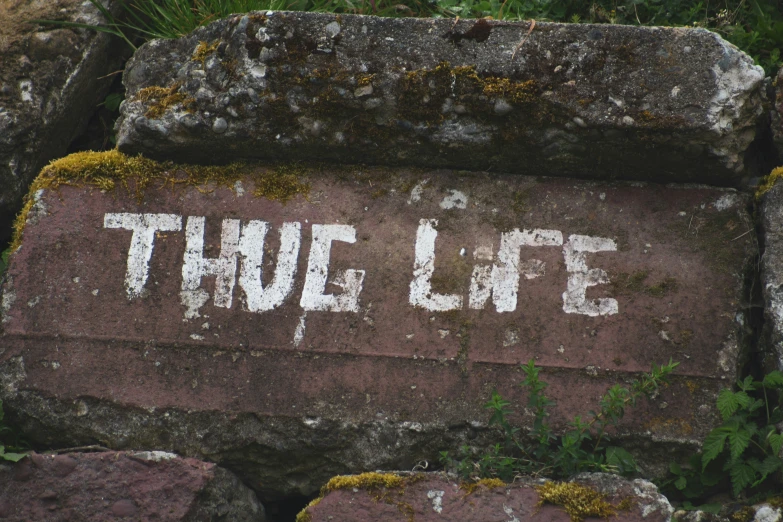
195, 266
581, 277
144, 227
251, 250
421, 294
437, 500
300, 330
455, 199
313, 297
417, 191
502, 279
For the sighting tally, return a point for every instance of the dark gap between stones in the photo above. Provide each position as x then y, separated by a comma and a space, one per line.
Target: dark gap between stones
286, 509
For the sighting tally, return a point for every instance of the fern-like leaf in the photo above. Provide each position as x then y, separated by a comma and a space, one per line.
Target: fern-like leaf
728, 403
773, 379
742, 475
776, 442
738, 441
713, 446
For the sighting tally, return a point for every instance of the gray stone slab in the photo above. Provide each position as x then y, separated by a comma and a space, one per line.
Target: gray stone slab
400, 299
593, 101
49, 88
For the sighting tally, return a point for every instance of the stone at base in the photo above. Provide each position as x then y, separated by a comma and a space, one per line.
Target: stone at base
106, 486
437, 496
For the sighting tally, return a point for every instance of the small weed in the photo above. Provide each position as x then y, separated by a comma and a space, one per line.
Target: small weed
743, 452
584, 447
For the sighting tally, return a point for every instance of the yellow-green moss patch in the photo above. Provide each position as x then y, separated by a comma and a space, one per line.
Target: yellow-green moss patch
769, 181
204, 49
162, 99
471, 487
382, 487
579, 501
107, 170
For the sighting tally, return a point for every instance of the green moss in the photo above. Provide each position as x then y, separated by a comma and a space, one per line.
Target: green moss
579, 501
634, 283
136, 174
663, 288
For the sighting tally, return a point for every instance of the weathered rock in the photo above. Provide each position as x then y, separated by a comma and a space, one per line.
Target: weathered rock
593, 101
149, 485
777, 116
49, 87
376, 344
764, 512
772, 274
437, 496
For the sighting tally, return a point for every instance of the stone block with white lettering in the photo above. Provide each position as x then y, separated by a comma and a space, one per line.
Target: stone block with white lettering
340, 319
591, 101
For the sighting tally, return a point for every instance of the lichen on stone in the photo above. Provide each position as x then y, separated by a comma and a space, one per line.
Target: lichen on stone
136, 174
769, 181
578, 500
162, 99
203, 50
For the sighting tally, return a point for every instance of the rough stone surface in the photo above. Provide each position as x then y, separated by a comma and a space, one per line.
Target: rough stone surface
323, 384
112, 485
49, 87
777, 116
437, 496
594, 101
772, 275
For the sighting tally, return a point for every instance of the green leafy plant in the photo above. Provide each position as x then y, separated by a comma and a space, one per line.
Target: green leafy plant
744, 451
9, 451
585, 446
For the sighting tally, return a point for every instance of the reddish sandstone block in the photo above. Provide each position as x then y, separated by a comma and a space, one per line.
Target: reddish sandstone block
368, 322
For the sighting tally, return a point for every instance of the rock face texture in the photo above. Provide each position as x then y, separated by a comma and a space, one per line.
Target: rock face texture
554, 99
777, 116
436, 496
107, 486
364, 323
772, 273
49, 87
